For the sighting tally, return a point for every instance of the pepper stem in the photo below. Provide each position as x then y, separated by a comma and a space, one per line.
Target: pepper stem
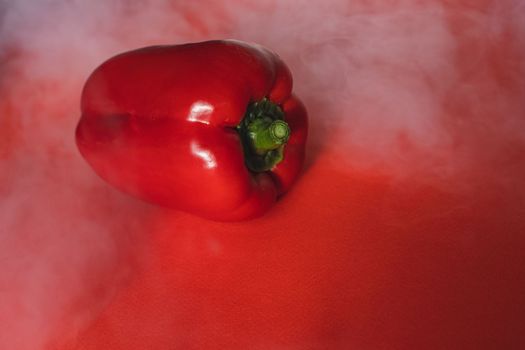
266, 137
264, 134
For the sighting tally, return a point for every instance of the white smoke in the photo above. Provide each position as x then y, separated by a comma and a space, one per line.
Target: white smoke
408, 86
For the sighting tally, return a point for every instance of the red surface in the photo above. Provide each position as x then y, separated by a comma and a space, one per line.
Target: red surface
398, 235
345, 261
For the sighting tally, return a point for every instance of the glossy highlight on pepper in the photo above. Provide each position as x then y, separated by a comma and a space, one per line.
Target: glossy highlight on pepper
210, 128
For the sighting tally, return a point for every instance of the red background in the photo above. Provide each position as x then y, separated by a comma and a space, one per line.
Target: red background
400, 234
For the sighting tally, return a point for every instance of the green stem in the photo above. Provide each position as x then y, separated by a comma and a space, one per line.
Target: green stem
264, 134
266, 137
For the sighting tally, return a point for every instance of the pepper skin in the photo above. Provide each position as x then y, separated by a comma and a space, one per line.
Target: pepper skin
209, 128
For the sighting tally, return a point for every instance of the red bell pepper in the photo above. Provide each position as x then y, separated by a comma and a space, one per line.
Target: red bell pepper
210, 128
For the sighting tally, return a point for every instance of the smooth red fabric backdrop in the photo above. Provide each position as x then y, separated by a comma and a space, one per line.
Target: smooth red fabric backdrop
412, 244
